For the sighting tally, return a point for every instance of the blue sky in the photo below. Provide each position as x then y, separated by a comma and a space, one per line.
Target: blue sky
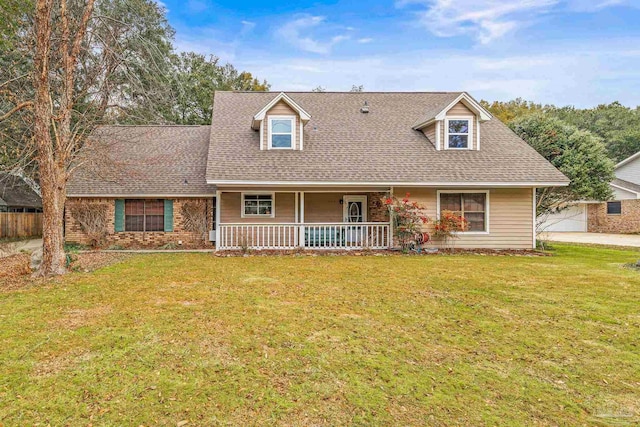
566, 52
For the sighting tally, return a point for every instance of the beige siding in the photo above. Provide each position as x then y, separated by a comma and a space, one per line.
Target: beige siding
459, 110
510, 218
231, 209
281, 109
323, 207
318, 207
430, 132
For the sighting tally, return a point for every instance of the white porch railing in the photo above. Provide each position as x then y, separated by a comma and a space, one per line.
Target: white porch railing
361, 235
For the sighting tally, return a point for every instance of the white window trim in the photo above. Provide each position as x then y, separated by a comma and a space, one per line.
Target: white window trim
293, 132
469, 132
607, 207
486, 209
354, 198
258, 193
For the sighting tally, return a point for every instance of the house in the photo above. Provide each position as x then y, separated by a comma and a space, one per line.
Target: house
18, 195
619, 215
622, 214
310, 170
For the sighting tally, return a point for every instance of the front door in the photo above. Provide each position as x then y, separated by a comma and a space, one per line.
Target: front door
354, 210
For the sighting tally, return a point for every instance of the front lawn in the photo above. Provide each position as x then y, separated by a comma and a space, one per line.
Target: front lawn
377, 340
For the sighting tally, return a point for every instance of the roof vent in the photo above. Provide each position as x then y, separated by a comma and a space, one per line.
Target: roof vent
365, 108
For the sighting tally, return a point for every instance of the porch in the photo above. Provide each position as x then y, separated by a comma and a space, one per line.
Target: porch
332, 219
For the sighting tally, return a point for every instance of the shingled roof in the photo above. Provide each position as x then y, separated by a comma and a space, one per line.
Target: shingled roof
343, 145
145, 160
15, 192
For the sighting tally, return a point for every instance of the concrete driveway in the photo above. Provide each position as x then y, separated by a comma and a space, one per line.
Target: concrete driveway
7, 249
592, 238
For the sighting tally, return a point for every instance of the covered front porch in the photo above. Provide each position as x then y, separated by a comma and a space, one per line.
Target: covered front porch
329, 218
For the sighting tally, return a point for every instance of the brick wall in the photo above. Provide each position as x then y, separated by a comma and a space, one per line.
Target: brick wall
74, 233
378, 212
628, 222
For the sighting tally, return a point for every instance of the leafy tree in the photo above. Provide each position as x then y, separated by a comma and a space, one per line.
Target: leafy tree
511, 110
194, 80
13, 16
357, 88
579, 154
617, 125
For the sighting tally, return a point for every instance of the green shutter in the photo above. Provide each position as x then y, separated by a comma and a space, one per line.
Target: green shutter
119, 220
168, 215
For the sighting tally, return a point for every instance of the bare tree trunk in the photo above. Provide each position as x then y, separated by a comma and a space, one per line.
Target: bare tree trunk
52, 173
53, 186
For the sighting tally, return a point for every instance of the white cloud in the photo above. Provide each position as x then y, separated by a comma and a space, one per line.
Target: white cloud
365, 40
596, 5
296, 33
488, 20
485, 20
247, 27
582, 75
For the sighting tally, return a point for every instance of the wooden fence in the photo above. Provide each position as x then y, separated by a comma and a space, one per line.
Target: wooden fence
18, 224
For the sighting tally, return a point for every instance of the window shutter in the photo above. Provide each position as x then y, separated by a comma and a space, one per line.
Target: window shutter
168, 215
119, 219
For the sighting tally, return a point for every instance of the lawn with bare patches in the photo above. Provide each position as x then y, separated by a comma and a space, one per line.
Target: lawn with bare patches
370, 340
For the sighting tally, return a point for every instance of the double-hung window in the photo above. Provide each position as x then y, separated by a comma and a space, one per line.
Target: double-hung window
256, 205
281, 132
143, 215
473, 207
458, 133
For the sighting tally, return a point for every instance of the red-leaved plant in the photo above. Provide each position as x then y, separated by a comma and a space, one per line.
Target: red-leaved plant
407, 218
448, 225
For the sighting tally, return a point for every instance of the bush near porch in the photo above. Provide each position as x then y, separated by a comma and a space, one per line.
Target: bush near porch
370, 340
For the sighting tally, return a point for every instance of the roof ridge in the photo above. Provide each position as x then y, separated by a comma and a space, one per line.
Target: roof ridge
158, 126
344, 92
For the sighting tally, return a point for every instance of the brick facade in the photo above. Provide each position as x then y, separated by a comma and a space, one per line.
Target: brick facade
627, 222
74, 233
378, 212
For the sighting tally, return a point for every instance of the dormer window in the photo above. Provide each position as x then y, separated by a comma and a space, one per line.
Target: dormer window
281, 132
458, 133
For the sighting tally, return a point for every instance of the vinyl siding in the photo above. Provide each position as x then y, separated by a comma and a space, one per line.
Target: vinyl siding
430, 132
619, 194
510, 218
231, 209
459, 110
629, 172
281, 109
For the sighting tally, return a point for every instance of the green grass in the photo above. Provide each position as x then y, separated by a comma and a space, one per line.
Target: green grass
402, 340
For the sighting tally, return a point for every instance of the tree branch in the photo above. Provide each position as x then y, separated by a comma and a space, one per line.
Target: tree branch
15, 109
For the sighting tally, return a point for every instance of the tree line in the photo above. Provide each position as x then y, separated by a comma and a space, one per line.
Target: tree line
584, 144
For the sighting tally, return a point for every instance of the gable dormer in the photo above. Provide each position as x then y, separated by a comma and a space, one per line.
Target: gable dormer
455, 127
281, 124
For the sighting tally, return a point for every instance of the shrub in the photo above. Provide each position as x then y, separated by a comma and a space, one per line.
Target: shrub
92, 218
407, 218
448, 225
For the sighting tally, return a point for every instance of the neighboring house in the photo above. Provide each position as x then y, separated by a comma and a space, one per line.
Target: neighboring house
619, 215
622, 214
309, 170
16, 195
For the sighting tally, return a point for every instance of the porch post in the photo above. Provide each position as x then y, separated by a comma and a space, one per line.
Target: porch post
390, 236
301, 238
218, 194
